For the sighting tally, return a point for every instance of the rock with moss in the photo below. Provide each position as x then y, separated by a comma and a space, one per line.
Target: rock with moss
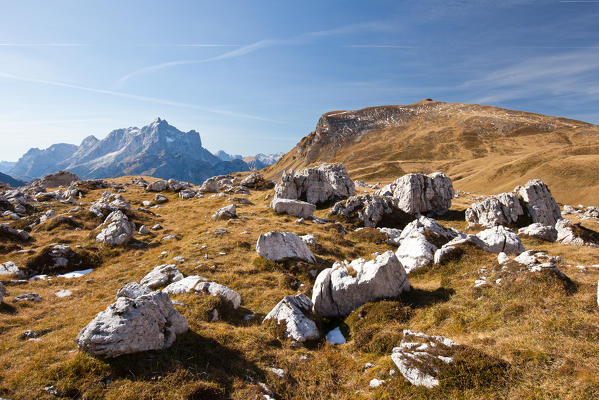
419, 193
292, 313
137, 321
323, 184
346, 286
117, 229
280, 246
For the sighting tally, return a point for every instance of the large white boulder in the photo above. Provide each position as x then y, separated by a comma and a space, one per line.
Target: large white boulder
226, 212
368, 209
502, 209
346, 286
117, 231
280, 246
10, 268
157, 186
541, 205
418, 193
297, 208
420, 357
416, 247
198, 284
576, 235
318, 185
501, 239
161, 275
292, 311
540, 231
136, 321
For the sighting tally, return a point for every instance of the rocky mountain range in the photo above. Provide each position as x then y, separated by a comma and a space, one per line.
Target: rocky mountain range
158, 149
480, 147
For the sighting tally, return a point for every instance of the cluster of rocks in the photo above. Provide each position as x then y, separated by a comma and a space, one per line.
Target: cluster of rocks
117, 230
108, 203
371, 210
581, 211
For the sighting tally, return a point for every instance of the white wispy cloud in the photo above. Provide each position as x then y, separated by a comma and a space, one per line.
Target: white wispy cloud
250, 48
136, 97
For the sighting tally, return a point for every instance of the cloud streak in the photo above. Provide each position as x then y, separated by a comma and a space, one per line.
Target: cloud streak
136, 97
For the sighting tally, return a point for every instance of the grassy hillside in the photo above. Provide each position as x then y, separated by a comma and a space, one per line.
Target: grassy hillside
483, 149
546, 335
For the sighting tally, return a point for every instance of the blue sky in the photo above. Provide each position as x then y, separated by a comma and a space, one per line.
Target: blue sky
254, 76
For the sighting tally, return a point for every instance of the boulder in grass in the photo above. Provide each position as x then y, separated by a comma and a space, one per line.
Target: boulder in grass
575, 234
539, 231
297, 208
371, 211
117, 229
227, 212
157, 186
280, 246
198, 284
292, 313
137, 321
540, 204
502, 209
501, 239
161, 276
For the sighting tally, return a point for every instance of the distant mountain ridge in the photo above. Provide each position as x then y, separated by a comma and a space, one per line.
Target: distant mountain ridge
157, 149
10, 180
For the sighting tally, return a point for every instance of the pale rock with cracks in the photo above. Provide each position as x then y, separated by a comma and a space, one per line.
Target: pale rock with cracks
162, 275
117, 231
109, 202
567, 234
540, 231
292, 311
541, 205
297, 208
419, 357
346, 286
502, 209
393, 235
368, 209
415, 249
157, 186
10, 268
501, 239
198, 284
279, 246
137, 321
419, 193
227, 212
318, 185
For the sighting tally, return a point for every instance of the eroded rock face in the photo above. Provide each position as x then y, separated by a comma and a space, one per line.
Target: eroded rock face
576, 235
279, 246
198, 284
256, 181
161, 276
226, 212
419, 241
345, 286
319, 185
117, 231
297, 208
540, 231
60, 178
136, 321
501, 239
371, 211
541, 205
420, 358
503, 209
12, 233
108, 203
215, 183
418, 193
292, 311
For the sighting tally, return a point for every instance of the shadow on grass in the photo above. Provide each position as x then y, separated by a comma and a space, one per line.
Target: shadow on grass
419, 298
6, 308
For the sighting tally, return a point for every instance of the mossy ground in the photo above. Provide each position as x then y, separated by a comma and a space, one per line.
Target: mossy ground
538, 339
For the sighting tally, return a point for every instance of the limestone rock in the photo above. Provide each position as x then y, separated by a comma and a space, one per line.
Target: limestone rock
161, 275
157, 186
226, 212
421, 357
370, 210
538, 230
541, 205
418, 193
256, 181
292, 311
503, 209
198, 284
297, 208
345, 286
280, 246
393, 235
501, 239
136, 321
12, 233
575, 234
108, 203
10, 268
160, 199
117, 231
319, 185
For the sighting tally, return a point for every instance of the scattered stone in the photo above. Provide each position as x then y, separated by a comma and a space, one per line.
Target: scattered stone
325, 183
446, 253
63, 293
34, 297
393, 235
296, 208
198, 284
279, 246
374, 383
118, 230
501, 239
345, 286
575, 234
10, 268
108, 203
161, 276
143, 230
156, 227
540, 231
292, 313
502, 258
256, 181
133, 324
160, 199
227, 212
187, 194
157, 186
168, 237
278, 371
309, 239
541, 205
12, 233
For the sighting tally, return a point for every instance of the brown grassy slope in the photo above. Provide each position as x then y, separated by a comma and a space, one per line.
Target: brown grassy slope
484, 149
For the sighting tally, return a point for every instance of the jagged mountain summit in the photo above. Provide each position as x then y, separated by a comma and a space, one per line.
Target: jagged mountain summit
482, 148
256, 162
158, 149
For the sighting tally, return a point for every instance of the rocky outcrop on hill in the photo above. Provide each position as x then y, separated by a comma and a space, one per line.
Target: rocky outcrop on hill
540, 231
161, 276
540, 204
575, 234
345, 286
501, 239
109, 202
117, 231
418, 193
136, 321
297, 208
280, 246
503, 209
292, 312
372, 211
326, 183
60, 178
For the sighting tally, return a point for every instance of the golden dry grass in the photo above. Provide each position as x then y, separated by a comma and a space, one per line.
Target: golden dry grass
549, 337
